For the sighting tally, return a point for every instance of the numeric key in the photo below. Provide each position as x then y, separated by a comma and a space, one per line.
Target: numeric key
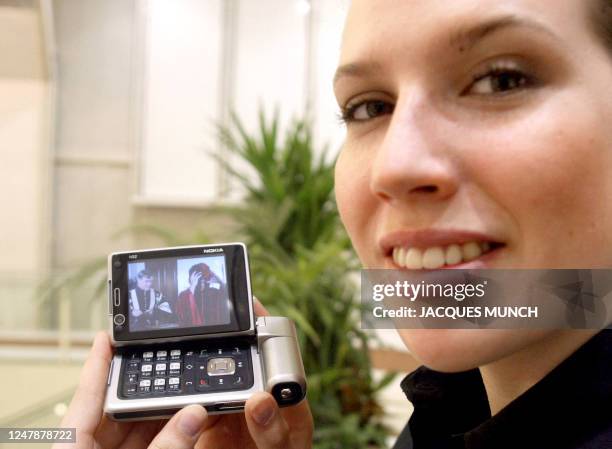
144, 386
146, 369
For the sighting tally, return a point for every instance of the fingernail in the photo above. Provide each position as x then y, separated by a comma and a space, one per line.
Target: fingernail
191, 421
263, 413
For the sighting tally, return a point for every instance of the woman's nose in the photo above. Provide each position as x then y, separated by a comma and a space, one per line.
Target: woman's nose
414, 162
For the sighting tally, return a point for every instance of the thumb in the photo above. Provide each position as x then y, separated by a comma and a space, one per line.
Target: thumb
183, 430
265, 423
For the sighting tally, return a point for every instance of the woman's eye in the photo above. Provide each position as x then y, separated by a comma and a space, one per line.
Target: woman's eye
500, 81
366, 110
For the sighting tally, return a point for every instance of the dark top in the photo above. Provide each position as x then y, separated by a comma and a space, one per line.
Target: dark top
570, 408
143, 301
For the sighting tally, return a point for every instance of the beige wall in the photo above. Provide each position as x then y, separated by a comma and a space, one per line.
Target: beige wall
24, 127
93, 163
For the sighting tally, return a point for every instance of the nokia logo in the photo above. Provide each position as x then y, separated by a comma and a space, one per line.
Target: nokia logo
213, 250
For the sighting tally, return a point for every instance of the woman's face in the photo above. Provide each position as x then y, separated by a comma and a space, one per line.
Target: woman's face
479, 135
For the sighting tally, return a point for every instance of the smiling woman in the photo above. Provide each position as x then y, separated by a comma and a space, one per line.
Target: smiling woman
478, 136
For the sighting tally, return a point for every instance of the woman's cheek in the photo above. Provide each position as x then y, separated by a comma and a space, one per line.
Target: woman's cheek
568, 192
548, 170
356, 204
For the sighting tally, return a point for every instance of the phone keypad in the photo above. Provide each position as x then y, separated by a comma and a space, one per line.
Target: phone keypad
185, 370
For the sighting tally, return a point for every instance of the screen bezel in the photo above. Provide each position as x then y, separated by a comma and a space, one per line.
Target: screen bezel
238, 282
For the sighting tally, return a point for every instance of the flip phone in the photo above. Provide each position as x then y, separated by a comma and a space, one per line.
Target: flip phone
184, 332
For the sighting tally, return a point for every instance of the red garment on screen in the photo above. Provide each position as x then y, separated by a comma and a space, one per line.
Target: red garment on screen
188, 311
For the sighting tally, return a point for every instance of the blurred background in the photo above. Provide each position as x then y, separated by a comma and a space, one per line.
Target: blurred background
130, 124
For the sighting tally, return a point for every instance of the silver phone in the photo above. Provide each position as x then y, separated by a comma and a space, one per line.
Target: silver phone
184, 332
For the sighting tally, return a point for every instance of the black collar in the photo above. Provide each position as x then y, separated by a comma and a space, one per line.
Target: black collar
571, 407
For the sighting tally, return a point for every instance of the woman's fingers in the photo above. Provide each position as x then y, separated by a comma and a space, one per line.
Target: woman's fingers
299, 419
183, 430
266, 425
111, 434
85, 411
140, 435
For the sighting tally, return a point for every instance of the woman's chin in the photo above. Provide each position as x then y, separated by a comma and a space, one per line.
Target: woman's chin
454, 350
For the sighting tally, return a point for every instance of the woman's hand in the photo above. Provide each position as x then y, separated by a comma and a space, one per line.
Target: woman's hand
193, 281
262, 426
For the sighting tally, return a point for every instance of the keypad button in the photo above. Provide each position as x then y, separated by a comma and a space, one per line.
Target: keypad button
221, 381
147, 355
175, 354
132, 378
144, 386
146, 369
219, 366
203, 384
174, 384
175, 368
161, 355
159, 385
160, 369
130, 389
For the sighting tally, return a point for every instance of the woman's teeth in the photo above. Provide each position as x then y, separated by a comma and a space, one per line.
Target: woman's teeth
438, 256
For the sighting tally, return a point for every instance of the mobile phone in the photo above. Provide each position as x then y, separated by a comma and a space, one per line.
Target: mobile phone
184, 332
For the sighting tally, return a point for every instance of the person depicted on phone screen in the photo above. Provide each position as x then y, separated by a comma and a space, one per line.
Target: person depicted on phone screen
148, 307
205, 302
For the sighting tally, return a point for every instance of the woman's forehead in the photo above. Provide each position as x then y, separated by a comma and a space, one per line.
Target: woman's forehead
375, 27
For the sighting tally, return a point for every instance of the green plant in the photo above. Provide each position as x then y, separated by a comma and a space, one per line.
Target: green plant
302, 263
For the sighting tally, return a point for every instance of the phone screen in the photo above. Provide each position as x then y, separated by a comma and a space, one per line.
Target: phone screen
181, 291
178, 293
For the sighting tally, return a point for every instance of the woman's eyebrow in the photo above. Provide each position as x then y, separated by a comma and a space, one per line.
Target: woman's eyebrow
356, 69
463, 38
467, 36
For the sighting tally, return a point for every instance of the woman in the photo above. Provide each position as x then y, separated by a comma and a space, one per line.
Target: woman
478, 131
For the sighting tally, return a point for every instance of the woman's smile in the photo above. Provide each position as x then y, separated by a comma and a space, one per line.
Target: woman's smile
439, 248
